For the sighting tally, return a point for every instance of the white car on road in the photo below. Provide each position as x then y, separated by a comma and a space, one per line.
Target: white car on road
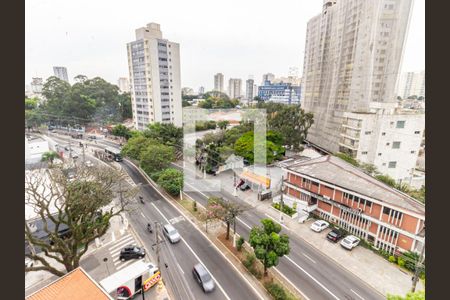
319, 225
171, 233
350, 242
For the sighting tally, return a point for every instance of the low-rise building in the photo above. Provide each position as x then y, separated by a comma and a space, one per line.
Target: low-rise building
285, 93
344, 195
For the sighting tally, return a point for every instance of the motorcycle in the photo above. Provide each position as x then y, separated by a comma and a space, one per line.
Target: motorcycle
141, 199
149, 228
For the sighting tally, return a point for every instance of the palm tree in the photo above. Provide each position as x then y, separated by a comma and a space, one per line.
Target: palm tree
49, 156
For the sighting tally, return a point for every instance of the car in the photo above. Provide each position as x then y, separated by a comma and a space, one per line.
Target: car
319, 225
202, 276
334, 235
350, 242
88, 163
66, 148
130, 252
244, 186
171, 233
28, 262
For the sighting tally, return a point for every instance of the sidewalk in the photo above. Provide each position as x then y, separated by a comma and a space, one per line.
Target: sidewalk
368, 266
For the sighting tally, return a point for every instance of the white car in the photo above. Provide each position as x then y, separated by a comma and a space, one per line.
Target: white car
171, 233
319, 225
350, 242
89, 163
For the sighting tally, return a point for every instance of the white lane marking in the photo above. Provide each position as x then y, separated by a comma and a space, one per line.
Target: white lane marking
275, 220
198, 258
310, 276
200, 192
142, 214
201, 232
120, 243
308, 257
245, 224
357, 294
295, 287
167, 220
180, 268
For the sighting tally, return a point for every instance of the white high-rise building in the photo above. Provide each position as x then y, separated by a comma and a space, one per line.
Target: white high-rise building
154, 66
61, 73
124, 85
411, 84
267, 77
234, 88
218, 82
352, 57
37, 83
249, 89
201, 90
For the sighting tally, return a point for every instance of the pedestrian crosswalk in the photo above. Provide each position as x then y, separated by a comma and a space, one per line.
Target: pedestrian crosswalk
114, 250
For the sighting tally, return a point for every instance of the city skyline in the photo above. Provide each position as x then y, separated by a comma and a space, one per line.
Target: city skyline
95, 48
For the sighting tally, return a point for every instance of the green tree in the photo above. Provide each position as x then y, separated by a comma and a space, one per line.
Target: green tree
186, 103
80, 207
387, 180
135, 146
268, 244
121, 130
244, 147
347, 158
31, 104
49, 156
167, 134
125, 106
171, 180
223, 124
155, 157
226, 211
419, 295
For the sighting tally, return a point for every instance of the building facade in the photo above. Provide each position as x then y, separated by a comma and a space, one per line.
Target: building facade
61, 73
218, 83
154, 66
201, 90
249, 84
37, 84
124, 85
234, 88
411, 84
267, 77
389, 140
285, 93
344, 195
353, 51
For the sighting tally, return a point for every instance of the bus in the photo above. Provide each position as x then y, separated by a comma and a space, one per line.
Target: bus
114, 153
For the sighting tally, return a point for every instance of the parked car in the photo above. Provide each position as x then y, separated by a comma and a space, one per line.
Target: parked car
171, 233
130, 252
319, 225
244, 186
203, 278
334, 235
350, 242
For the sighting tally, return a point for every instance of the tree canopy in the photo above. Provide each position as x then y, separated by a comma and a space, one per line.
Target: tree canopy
156, 157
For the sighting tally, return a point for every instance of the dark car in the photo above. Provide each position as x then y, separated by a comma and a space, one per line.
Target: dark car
130, 252
203, 278
244, 186
334, 235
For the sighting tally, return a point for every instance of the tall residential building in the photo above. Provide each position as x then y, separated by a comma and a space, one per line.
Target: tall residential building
249, 89
218, 82
201, 90
234, 88
36, 85
61, 73
154, 66
124, 85
410, 84
267, 77
255, 91
352, 57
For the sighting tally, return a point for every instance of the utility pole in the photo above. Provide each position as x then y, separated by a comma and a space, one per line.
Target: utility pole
419, 263
157, 241
82, 149
234, 180
281, 200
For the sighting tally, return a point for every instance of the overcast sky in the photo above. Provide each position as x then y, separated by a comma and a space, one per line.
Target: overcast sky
236, 38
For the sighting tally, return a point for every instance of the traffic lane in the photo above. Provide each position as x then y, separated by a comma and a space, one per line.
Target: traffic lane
214, 261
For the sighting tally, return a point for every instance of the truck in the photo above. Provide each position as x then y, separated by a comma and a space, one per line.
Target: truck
136, 278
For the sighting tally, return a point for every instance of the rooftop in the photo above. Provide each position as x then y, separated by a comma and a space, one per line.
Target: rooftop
76, 285
334, 170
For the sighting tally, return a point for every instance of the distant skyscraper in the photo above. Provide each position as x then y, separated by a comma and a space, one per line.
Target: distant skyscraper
201, 90
234, 88
352, 57
154, 65
61, 73
218, 82
267, 77
36, 85
124, 84
249, 89
410, 84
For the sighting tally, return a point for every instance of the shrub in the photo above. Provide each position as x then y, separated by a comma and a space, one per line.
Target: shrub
239, 243
400, 262
411, 259
276, 291
249, 260
392, 259
254, 270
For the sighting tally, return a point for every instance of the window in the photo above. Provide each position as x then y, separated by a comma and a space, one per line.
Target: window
387, 144
392, 164
395, 145
379, 154
367, 132
416, 132
364, 153
400, 124
412, 152
386, 210
315, 183
383, 133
